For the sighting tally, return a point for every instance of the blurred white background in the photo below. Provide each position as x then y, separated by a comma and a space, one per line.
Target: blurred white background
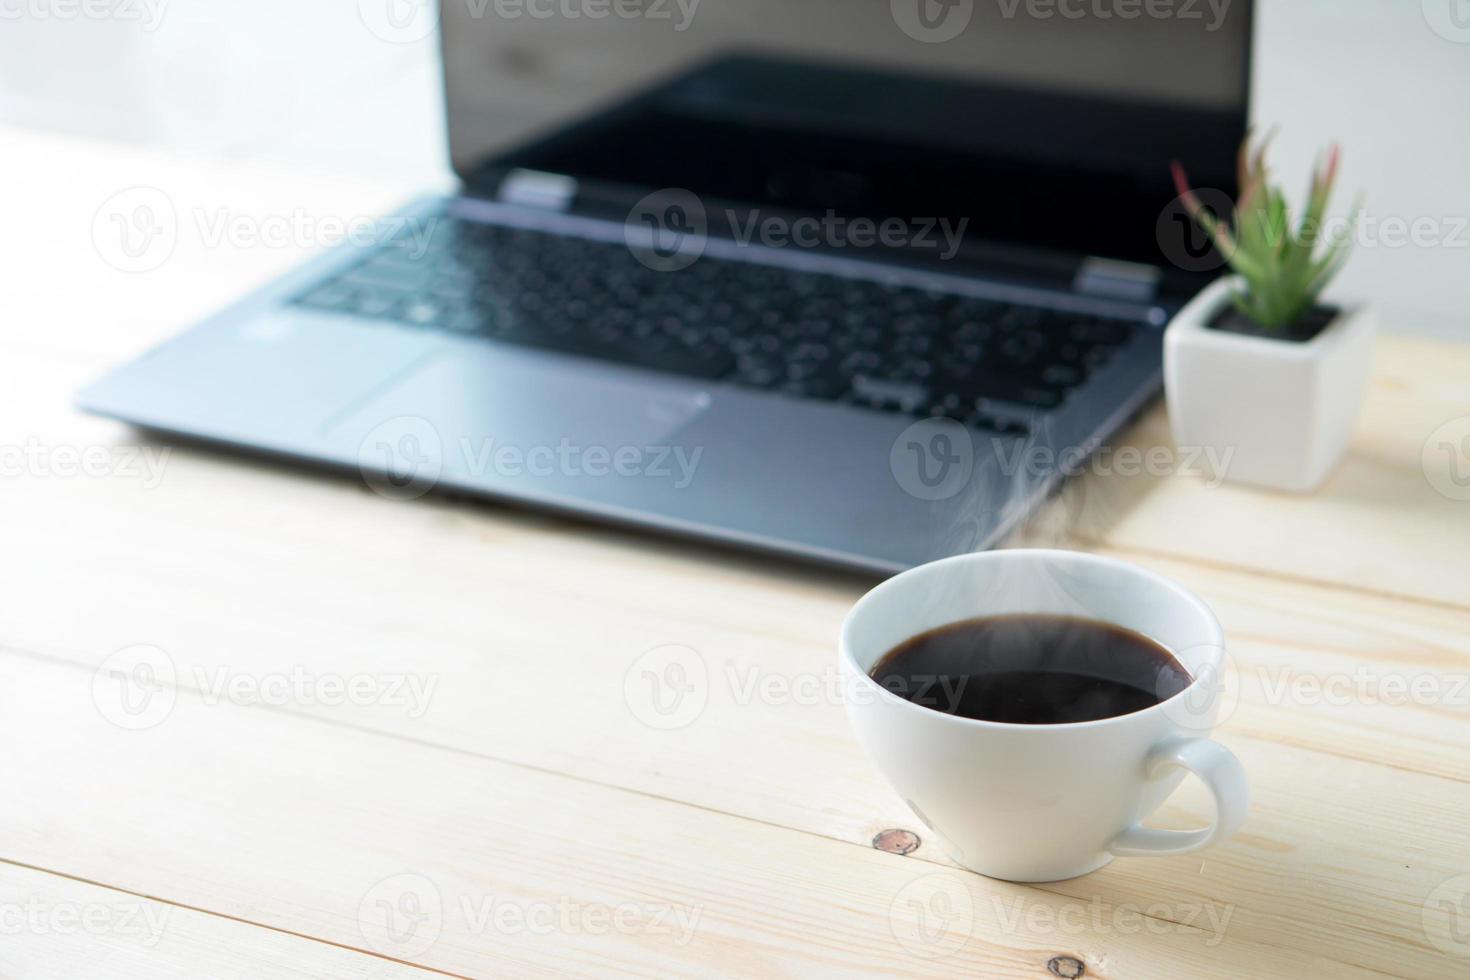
311, 85
293, 81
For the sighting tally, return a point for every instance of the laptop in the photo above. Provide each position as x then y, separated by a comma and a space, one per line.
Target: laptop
857, 284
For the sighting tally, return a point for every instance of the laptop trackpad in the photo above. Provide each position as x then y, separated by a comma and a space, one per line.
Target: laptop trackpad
468, 405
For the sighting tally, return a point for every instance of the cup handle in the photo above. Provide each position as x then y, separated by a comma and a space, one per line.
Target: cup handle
1220, 771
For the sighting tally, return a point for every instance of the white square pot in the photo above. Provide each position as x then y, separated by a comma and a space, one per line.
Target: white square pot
1278, 413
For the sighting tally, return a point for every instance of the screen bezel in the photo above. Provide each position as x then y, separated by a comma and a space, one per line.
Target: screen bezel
612, 199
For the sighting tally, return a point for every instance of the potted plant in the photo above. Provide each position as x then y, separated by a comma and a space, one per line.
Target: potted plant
1255, 366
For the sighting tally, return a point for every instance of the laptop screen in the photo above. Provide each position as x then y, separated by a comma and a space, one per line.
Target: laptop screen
1044, 124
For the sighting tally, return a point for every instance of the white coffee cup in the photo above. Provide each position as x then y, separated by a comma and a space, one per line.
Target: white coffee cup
1044, 802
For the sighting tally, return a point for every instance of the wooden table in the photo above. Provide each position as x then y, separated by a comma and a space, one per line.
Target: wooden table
277, 799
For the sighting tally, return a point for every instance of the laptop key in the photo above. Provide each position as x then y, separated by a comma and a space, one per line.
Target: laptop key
812, 335
906, 396
1000, 426
1061, 375
378, 272
464, 320
375, 302
1033, 397
333, 296
422, 312
647, 354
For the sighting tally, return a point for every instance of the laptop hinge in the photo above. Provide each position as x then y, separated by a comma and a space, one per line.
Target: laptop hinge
537, 189
1119, 280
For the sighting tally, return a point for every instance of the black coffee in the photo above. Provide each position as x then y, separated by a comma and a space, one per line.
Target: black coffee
1032, 670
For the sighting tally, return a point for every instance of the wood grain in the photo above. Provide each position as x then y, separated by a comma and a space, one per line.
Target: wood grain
529, 767
58, 928
514, 603
295, 824
1389, 521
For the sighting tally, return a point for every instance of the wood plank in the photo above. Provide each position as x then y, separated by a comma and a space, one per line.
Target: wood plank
322, 830
518, 574
58, 928
491, 605
1393, 519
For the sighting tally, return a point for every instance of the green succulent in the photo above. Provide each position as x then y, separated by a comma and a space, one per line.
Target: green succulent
1279, 261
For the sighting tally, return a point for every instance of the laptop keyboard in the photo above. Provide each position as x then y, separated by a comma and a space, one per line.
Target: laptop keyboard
890, 347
